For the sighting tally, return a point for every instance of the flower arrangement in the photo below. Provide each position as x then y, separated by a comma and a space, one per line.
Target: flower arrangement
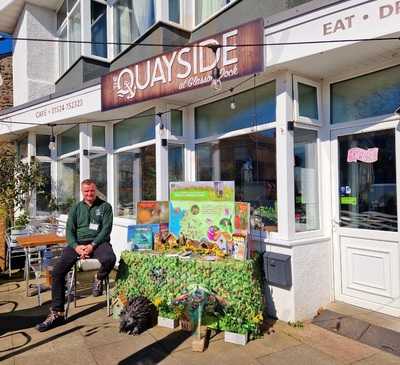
238, 283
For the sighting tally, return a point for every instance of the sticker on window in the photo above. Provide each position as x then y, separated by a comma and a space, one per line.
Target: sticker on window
348, 200
359, 154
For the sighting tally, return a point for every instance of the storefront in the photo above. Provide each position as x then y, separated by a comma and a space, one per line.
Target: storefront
310, 142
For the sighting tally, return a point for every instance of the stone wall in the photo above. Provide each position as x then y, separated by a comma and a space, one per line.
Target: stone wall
6, 82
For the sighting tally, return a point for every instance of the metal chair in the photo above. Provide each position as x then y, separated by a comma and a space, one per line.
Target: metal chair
84, 265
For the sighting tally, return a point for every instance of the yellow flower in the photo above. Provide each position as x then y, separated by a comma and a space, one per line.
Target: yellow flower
157, 302
258, 318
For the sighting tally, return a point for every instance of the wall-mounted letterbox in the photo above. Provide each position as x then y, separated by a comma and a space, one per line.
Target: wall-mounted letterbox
277, 269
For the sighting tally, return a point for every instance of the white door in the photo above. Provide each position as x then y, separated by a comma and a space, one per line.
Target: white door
365, 201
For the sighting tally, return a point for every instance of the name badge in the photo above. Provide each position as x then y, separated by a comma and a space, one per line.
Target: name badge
93, 226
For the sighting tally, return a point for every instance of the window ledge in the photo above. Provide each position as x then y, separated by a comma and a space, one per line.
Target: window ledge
296, 242
124, 222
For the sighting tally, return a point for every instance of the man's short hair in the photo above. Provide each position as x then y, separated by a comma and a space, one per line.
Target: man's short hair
88, 182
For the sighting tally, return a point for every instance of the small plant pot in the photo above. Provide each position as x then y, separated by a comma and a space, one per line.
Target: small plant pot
167, 322
236, 338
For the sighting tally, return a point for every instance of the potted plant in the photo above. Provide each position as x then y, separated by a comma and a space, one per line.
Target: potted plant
234, 331
20, 224
167, 316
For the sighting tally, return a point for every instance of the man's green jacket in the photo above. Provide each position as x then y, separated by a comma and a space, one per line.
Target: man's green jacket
89, 224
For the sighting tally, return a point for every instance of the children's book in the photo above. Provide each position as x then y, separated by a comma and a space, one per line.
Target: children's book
239, 246
140, 237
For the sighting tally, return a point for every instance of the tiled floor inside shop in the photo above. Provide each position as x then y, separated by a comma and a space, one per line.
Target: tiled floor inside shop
90, 337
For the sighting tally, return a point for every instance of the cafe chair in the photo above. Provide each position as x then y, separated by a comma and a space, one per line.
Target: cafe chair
84, 266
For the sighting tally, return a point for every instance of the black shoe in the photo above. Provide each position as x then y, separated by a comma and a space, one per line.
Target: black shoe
54, 319
97, 287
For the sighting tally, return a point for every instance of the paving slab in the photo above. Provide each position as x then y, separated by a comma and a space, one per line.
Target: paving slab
382, 338
380, 358
299, 355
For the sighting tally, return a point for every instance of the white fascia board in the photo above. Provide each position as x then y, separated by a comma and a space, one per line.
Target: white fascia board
73, 105
353, 19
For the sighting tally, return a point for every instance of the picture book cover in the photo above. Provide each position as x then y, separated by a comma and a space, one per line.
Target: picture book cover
242, 218
202, 220
217, 191
140, 236
239, 246
152, 212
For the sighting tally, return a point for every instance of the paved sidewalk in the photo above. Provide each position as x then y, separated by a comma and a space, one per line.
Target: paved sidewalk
90, 337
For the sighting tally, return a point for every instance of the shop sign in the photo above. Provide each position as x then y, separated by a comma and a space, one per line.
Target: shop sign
186, 68
359, 154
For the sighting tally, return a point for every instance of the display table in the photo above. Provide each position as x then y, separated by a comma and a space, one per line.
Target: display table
162, 278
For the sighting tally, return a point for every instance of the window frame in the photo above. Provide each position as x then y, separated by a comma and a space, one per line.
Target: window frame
296, 107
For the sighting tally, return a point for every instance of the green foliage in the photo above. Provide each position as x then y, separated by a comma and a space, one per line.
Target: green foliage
18, 181
297, 324
237, 282
268, 214
22, 220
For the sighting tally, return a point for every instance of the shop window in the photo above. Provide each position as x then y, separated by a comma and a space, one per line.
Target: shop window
98, 23
98, 172
367, 96
132, 18
136, 179
174, 11
306, 180
253, 107
204, 9
176, 123
69, 29
176, 169
42, 145
68, 141
22, 148
68, 183
250, 161
43, 195
367, 177
137, 129
98, 136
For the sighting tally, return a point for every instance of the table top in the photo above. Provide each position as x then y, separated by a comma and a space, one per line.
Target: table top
44, 239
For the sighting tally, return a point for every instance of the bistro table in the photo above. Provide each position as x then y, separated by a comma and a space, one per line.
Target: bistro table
31, 241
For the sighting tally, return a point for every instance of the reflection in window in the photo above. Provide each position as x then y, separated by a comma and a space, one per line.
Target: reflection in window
306, 180
68, 186
98, 172
367, 177
174, 11
249, 160
367, 96
22, 148
98, 136
217, 118
42, 145
176, 123
207, 8
68, 141
43, 195
176, 171
99, 28
308, 103
131, 20
136, 179
137, 129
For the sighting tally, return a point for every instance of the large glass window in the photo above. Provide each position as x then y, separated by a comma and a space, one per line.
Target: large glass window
253, 107
176, 123
68, 141
131, 19
306, 180
249, 160
137, 129
98, 172
176, 171
98, 23
371, 95
22, 148
98, 136
68, 186
367, 177
136, 179
43, 196
206, 8
69, 29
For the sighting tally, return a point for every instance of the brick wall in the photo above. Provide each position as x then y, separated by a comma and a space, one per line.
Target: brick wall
6, 82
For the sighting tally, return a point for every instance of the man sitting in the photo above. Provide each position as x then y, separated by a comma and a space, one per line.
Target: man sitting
88, 232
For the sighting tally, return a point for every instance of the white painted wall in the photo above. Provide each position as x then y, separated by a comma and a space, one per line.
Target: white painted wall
34, 63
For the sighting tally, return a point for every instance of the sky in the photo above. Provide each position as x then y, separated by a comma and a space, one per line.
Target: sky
5, 45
